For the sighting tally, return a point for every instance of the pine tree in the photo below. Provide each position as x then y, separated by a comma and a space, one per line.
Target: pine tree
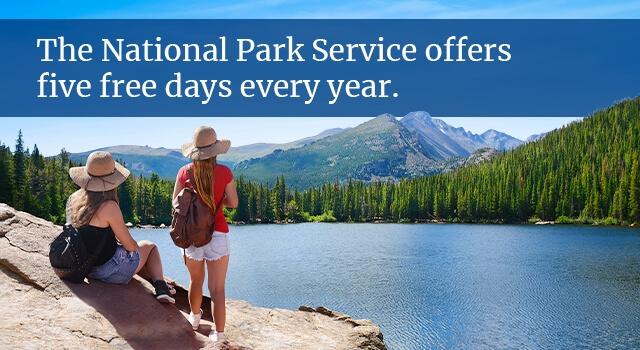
585, 170
6, 175
620, 201
634, 193
154, 199
125, 196
242, 212
279, 199
141, 201
293, 211
19, 172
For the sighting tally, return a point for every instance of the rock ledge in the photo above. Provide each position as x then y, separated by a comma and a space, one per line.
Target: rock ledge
38, 310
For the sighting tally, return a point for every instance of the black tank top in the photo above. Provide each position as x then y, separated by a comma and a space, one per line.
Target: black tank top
92, 236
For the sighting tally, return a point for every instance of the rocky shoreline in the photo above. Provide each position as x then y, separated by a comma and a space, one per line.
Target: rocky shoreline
41, 311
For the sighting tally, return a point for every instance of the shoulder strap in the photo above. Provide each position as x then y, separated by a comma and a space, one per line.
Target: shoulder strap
189, 181
85, 267
219, 205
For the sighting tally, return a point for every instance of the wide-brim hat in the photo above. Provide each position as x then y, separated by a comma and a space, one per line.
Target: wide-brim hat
205, 144
100, 174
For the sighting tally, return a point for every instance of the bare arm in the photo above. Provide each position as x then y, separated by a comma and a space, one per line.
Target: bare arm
231, 195
111, 213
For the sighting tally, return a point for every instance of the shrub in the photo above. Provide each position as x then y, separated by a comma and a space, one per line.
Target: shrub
324, 217
610, 221
533, 219
584, 220
562, 219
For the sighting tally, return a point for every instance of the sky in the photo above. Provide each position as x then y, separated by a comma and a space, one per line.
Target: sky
85, 134
81, 134
322, 9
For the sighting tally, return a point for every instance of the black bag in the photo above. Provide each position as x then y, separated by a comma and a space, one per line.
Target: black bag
69, 257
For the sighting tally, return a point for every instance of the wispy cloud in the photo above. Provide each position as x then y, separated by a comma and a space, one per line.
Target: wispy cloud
380, 9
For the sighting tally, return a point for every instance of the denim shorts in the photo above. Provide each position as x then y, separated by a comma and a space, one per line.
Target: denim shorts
214, 250
119, 269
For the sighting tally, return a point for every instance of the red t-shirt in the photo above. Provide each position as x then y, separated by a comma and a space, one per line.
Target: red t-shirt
221, 177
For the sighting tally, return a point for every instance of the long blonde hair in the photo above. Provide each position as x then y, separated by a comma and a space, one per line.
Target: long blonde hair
83, 205
203, 180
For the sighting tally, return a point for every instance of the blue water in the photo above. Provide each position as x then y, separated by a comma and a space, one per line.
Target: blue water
445, 286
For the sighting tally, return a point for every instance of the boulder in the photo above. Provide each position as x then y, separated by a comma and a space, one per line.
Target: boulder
545, 223
38, 310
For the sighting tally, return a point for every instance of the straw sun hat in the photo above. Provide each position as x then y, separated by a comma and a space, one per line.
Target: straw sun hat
100, 174
205, 144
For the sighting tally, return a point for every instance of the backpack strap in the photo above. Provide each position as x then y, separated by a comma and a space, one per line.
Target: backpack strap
189, 181
87, 265
219, 205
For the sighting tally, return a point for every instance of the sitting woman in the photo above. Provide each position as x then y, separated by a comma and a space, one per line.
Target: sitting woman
94, 211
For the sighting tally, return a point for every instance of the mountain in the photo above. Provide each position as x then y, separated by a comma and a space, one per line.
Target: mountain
478, 156
536, 137
145, 160
383, 148
142, 160
585, 172
256, 150
380, 149
498, 140
438, 134
452, 141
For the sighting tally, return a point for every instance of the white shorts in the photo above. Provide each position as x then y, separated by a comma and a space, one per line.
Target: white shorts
214, 250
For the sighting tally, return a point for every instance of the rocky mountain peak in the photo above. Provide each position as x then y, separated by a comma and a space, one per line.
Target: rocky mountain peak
536, 137
419, 115
491, 132
385, 117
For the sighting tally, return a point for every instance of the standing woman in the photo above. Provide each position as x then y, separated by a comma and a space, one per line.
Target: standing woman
214, 184
95, 212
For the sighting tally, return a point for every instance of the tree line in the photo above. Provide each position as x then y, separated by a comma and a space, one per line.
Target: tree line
41, 185
585, 172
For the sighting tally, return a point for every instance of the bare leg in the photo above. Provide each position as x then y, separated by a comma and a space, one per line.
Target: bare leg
196, 274
217, 276
150, 260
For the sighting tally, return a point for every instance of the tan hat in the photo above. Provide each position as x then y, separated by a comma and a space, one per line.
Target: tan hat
100, 174
205, 144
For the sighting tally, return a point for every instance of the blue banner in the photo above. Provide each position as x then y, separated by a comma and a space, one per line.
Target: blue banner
316, 67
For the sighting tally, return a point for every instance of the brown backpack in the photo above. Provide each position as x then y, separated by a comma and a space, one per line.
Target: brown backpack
193, 222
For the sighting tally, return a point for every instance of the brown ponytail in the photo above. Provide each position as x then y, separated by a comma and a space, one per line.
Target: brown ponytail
203, 180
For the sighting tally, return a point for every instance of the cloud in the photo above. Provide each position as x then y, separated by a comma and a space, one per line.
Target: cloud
384, 9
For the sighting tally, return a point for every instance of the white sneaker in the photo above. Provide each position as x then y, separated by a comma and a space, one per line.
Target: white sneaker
216, 336
194, 319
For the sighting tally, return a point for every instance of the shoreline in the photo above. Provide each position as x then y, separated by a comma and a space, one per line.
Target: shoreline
538, 223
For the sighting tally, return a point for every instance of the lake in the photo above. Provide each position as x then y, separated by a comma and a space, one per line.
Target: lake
445, 285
